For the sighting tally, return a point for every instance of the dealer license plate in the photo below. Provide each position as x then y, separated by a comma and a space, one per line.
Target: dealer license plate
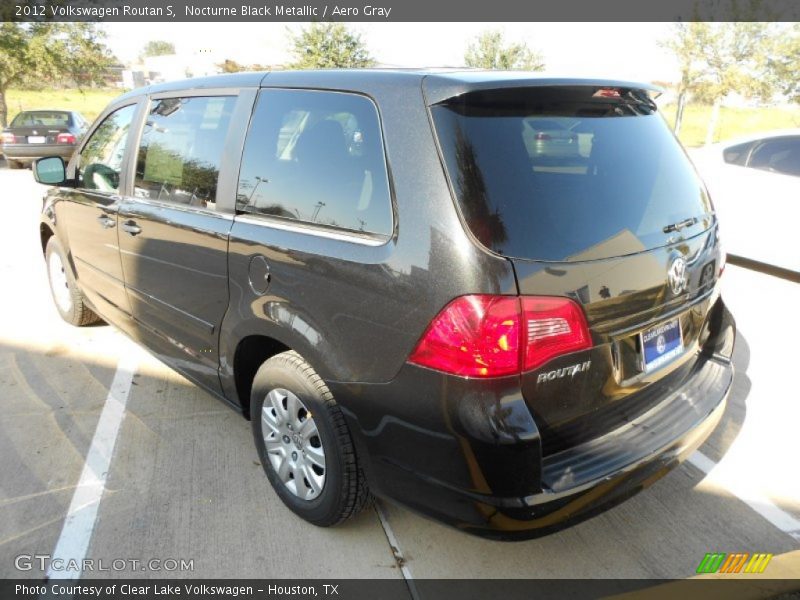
661, 344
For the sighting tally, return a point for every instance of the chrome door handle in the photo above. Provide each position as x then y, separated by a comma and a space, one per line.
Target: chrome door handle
106, 221
131, 227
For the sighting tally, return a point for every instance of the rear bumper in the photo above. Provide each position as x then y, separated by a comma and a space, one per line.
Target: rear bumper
468, 452
30, 152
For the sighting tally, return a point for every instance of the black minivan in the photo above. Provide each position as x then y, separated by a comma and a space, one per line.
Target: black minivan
492, 297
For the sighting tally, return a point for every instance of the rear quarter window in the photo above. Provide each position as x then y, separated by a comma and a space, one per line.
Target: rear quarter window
737, 155
316, 157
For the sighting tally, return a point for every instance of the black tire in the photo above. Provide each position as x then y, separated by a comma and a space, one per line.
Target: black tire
344, 493
14, 164
77, 312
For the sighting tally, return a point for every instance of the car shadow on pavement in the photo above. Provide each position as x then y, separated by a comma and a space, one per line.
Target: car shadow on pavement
184, 480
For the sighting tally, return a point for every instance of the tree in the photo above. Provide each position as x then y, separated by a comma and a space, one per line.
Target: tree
717, 59
784, 63
14, 62
736, 55
687, 45
231, 66
329, 45
488, 51
157, 48
50, 52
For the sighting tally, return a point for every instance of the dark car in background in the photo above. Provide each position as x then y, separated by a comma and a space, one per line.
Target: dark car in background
400, 293
33, 134
548, 139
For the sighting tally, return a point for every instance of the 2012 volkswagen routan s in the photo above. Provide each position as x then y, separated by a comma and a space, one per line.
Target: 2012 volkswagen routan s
409, 284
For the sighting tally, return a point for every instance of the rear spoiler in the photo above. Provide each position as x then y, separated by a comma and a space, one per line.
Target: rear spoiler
440, 87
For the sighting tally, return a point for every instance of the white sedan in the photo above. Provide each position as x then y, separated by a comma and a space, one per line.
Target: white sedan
754, 183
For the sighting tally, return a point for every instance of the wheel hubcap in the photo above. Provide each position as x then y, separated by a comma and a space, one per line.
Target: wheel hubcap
293, 444
59, 283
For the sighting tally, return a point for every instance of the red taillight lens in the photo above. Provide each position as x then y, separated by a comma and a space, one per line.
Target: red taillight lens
554, 326
473, 336
492, 336
542, 136
8, 138
65, 138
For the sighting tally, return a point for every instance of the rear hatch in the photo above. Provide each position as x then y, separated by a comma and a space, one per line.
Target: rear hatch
587, 192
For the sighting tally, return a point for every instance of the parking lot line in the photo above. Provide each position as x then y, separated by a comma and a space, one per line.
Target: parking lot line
755, 500
78, 526
396, 550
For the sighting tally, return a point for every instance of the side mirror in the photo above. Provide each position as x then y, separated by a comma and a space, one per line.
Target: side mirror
50, 170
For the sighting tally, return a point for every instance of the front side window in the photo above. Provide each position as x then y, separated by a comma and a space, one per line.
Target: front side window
316, 157
102, 156
779, 156
181, 150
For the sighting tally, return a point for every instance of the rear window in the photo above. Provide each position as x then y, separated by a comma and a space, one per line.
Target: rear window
41, 119
568, 173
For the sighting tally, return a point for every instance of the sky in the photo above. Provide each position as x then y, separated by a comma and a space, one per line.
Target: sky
622, 50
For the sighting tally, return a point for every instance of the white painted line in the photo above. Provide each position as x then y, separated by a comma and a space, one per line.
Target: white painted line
396, 550
76, 534
737, 485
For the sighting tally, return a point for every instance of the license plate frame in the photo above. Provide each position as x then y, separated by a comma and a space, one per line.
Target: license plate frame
661, 344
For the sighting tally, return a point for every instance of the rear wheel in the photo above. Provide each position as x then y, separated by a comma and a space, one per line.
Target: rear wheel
304, 443
68, 298
14, 164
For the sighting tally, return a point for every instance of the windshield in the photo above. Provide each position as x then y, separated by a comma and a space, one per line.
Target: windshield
568, 173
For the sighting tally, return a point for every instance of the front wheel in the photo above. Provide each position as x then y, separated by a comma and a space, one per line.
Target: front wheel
68, 298
304, 443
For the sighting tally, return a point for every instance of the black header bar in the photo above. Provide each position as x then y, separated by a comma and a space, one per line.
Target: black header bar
399, 10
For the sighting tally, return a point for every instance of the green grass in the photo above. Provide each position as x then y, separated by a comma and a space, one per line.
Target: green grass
89, 102
733, 122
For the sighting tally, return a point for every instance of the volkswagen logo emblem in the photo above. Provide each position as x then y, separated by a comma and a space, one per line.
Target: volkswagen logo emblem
676, 276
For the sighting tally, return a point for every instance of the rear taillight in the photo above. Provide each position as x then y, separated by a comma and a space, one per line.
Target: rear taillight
554, 326
493, 336
8, 138
65, 138
542, 136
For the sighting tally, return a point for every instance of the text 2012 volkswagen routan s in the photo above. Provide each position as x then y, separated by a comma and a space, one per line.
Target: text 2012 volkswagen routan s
491, 297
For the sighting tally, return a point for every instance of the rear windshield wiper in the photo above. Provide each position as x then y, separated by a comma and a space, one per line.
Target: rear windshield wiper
680, 225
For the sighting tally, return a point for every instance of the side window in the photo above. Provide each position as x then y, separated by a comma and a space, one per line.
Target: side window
181, 150
316, 157
101, 158
737, 155
781, 155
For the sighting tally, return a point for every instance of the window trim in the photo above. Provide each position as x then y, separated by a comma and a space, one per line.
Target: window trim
316, 229
313, 229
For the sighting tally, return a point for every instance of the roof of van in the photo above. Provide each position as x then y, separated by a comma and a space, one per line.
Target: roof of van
440, 83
